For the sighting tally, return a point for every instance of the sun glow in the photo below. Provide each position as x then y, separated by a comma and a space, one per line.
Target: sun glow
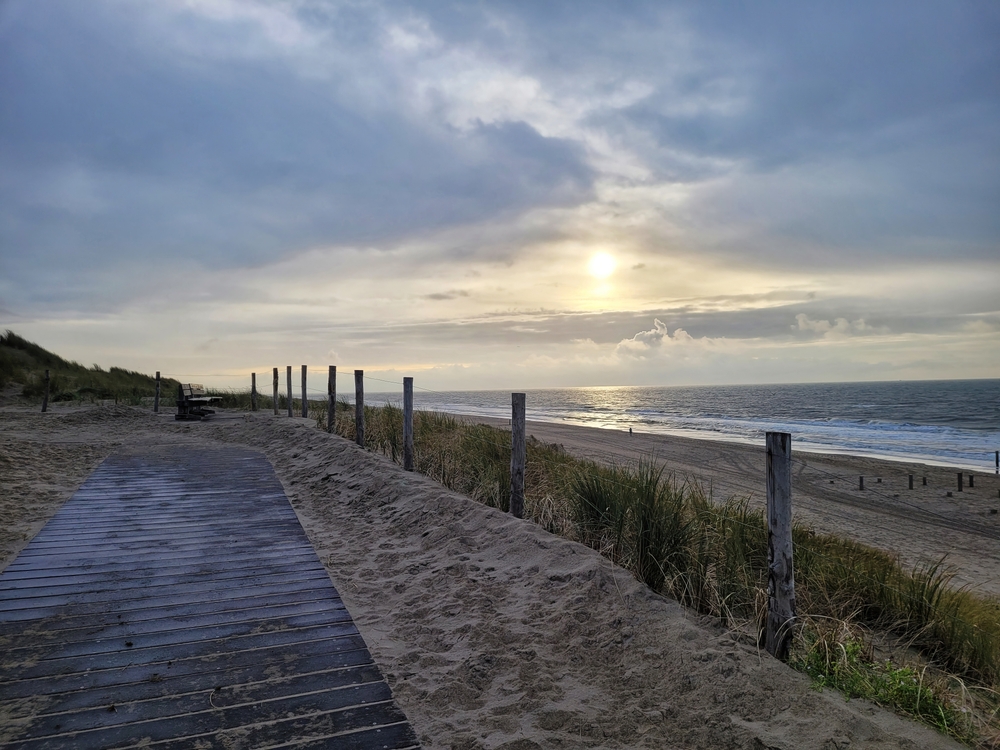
602, 265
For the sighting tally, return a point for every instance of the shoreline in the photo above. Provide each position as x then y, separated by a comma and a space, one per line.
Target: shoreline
816, 449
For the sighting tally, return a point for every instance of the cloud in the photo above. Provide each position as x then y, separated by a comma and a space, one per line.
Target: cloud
652, 341
451, 294
839, 328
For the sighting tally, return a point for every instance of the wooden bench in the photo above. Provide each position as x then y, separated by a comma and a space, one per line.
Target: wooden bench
193, 401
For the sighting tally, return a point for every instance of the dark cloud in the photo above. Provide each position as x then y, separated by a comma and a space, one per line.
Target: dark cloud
109, 150
452, 294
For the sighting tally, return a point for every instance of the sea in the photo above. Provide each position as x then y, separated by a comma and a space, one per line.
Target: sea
939, 422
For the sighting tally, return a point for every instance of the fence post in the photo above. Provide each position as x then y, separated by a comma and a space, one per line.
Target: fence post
359, 407
275, 384
408, 424
45, 398
253, 391
780, 577
517, 454
959, 481
156, 398
288, 388
305, 395
331, 395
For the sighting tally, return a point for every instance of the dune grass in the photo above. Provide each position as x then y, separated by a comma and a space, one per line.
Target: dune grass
712, 557
23, 362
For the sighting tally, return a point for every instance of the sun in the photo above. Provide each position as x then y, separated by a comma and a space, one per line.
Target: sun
602, 265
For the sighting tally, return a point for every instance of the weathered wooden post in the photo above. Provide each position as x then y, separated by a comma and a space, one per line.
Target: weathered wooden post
156, 398
959, 481
305, 395
911, 481
253, 391
996, 457
45, 398
517, 454
861, 483
331, 396
288, 388
972, 481
780, 578
275, 396
359, 407
408, 424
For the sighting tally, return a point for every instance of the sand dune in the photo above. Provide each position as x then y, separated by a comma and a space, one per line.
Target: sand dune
492, 632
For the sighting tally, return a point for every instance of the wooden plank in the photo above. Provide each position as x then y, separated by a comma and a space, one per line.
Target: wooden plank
201, 615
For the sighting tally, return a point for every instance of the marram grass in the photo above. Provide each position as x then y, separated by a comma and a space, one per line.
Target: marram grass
712, 556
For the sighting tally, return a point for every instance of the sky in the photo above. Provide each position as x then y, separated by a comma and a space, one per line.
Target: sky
505, 194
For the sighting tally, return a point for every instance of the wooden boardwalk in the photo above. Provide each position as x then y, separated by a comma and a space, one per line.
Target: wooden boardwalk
175, 601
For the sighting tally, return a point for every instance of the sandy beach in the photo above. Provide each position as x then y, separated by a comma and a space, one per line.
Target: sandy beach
494, 633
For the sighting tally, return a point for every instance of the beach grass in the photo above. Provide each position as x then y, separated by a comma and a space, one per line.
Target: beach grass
943, 666
24, 363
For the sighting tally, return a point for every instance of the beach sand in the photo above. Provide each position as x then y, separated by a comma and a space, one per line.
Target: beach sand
496, 634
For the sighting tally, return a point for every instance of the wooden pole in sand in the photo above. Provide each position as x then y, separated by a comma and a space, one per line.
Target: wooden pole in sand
331, 399
517, 454
359, 407
288, 379
45, 398
959, 481
780, 578
275, 389
305, 395
408, 424
156, 398
253, 391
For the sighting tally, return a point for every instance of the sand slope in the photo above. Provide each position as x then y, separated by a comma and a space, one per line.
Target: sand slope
496, 634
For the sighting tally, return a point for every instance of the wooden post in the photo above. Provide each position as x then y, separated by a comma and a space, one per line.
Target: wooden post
275, 396
305, 395
923, 481
331, 396
861, 483
517, 454
972, 481
959, 481
156, 398
253, 391
408, 424
359, 407
996, 457
45, 398
288, 378
781, 579
911, 481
